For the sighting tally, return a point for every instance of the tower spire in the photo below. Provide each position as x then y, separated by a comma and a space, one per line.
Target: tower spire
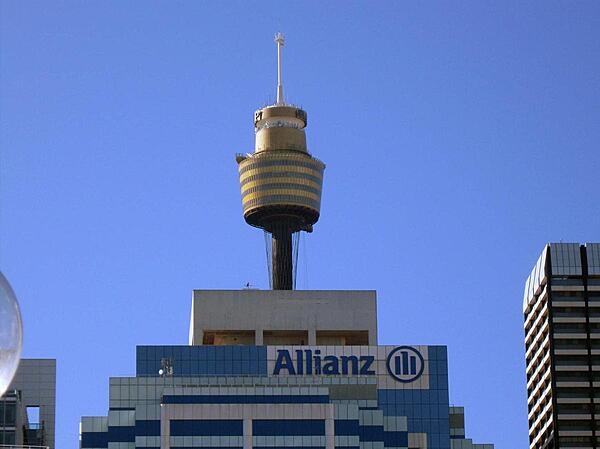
279, 40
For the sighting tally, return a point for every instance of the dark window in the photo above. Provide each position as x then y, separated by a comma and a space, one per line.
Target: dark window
94, 439
207, 427
8, 414
346, 427
288, 427
9, 437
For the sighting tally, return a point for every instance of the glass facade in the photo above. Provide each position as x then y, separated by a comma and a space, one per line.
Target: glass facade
8, 413
8, 417
258, 397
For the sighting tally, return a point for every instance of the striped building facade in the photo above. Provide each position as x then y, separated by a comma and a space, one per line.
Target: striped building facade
561, 307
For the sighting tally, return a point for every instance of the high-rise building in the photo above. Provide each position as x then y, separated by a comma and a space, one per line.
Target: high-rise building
282, 368
561, 307
27, 409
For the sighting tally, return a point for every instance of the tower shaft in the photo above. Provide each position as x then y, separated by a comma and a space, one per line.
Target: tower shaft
282, 265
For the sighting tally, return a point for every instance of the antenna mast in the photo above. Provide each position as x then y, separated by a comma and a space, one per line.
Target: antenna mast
279, 40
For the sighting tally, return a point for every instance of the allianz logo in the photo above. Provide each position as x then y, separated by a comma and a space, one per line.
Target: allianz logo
404, 363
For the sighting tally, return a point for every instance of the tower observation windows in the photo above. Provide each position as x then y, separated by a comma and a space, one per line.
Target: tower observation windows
281, 123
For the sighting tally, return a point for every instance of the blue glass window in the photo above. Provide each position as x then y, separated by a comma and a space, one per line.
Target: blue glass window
206, 427
346, 427
94, 439
288, 427
244, 399
121, 434
147, 427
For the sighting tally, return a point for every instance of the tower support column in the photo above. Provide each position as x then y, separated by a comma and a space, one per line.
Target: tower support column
282, 257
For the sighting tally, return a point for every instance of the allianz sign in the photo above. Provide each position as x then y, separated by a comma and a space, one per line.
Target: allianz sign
404, 363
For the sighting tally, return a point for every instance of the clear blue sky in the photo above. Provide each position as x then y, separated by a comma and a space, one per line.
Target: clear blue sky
459, 138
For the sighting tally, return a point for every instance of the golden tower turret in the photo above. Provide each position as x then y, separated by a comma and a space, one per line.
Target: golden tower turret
281, 182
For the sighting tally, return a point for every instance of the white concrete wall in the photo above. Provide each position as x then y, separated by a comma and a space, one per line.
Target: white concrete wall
261, 310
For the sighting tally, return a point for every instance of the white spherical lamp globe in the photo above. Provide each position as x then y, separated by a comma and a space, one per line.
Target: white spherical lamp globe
11, 334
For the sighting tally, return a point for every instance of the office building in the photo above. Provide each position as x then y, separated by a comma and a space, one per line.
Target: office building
561, 307
282, 368
27, 409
